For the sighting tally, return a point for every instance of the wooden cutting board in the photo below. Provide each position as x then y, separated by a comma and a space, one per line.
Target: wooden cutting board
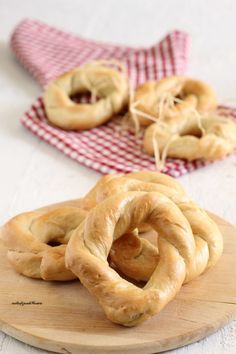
65, 318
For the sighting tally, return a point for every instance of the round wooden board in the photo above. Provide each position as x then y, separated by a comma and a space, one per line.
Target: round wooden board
65, 318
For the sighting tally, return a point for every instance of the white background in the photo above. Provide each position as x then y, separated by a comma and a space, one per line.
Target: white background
33, 174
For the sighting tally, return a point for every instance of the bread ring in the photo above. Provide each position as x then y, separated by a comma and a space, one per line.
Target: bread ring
217, 141
29, 236
194, 94
109, 85
137, 257
89, 246
127, 251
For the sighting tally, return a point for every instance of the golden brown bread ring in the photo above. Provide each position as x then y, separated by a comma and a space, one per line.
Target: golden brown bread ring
90, 244
110, 85
136, 257
194, 94
27, 236
218, 140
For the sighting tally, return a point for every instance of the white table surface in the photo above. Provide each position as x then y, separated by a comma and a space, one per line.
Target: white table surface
33, 173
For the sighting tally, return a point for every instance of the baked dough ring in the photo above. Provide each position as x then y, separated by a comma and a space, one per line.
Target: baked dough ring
194, 94
90, 244
27, 236
217, 141
110, 85
137, 258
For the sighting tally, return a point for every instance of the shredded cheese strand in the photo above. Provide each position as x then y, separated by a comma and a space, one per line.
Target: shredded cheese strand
156, 149
166, 148
198, 115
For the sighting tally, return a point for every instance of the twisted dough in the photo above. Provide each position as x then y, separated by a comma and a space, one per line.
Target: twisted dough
194, 94
109, 85
185, 140
90, 244
137, 258
154, 177
104, 223
145, 181
29, 236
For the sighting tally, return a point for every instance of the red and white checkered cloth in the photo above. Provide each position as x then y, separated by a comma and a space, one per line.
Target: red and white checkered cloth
47, 52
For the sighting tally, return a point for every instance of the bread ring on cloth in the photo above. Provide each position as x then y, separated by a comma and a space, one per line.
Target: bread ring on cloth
108, 84
217, 140
90, 244
193, 94
137, 258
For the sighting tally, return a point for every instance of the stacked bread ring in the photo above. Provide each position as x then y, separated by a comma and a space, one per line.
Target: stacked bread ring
178, 112
186, 124
100, 234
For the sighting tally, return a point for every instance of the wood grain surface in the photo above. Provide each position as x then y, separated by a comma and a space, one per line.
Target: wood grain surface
65, 318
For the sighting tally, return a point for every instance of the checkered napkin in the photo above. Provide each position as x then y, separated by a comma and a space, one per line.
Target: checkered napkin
47, 52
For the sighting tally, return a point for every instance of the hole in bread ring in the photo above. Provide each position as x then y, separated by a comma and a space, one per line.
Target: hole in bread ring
110, 85
134, 256
84, 97
153, 96
90, 244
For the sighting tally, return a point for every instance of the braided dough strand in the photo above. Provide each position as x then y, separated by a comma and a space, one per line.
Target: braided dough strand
156, 177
